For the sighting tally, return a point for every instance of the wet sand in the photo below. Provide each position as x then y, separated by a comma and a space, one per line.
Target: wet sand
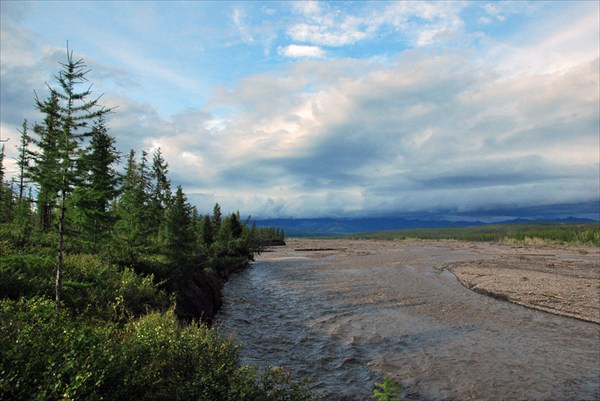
345, 312
564, 280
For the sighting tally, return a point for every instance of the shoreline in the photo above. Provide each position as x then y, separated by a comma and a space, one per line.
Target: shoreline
572, 289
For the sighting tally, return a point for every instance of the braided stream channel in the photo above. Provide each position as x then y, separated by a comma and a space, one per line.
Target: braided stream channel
354, 311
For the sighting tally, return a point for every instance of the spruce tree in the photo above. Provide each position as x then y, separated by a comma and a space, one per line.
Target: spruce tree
2, 164
99, 186
161, 188
207, 230
216, 218
144, 173
23, 159
236, 225
160, 194
180, 238
45, 170
131, 229
197, 229
68, 113
21, 218
6, 192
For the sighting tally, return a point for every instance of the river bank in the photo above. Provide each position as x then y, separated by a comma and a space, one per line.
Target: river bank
200, 298
345, 312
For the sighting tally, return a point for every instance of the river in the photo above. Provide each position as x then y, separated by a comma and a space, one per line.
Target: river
346, 316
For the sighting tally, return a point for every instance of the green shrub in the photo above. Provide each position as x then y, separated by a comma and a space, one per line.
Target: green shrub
277, 385
156, 265
90, 286
388, 390
45, 354
26, 275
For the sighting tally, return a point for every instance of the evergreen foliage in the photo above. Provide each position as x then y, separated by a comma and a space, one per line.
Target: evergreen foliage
45, 170
207, 230
68, 113
98, 188
160, 196
23, 158
179, 235
6, 193
267, 236
131, 228
216, 218
2, 172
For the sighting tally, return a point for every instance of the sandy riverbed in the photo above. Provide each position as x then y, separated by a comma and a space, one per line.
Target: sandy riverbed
344, 313
564, 280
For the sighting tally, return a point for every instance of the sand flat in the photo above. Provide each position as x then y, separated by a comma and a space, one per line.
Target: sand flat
564, 280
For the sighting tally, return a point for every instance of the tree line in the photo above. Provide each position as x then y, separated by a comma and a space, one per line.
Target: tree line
67, 190
107, 277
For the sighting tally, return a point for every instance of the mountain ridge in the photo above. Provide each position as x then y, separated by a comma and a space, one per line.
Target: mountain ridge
331, 226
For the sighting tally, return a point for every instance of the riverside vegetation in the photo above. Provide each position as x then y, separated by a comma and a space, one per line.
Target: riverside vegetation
108, 281
528, 233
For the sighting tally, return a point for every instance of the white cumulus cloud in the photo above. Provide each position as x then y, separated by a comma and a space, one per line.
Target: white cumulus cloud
301, 51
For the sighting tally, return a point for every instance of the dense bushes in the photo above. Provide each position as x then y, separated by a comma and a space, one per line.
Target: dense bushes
48, 355
584, 234
91, 287
116, 337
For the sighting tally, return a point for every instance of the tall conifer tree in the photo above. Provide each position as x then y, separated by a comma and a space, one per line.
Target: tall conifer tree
45, 171
160, 195
99, 186
23, 159
161, 188
207, 230
216, 218
6, 193
68, 113
2, 163
180, 238
132, 207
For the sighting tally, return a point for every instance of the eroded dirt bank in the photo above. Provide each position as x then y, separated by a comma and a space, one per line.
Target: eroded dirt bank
345, 312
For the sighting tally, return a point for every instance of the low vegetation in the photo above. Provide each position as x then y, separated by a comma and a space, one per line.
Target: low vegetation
49, 354
387, 390
539, 233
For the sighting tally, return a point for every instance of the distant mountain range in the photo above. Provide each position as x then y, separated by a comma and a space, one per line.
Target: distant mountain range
312, 227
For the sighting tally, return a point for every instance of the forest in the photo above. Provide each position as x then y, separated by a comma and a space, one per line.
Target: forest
109, 277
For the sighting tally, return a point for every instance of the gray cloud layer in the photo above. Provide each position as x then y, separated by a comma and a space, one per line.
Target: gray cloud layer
425, 134
426, 131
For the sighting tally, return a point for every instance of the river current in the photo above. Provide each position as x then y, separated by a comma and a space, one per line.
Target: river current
344, 318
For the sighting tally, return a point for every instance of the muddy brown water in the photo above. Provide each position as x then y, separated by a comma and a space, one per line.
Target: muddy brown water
345, 317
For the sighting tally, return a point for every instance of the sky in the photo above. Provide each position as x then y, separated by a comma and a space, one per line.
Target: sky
334, 109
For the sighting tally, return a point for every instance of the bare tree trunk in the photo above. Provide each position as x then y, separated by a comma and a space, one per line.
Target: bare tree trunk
61, 241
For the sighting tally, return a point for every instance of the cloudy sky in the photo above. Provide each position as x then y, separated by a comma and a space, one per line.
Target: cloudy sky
312, 109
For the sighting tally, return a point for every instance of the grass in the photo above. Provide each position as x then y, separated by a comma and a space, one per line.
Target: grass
531, 233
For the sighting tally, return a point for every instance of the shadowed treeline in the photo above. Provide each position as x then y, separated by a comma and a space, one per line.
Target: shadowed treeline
561, 233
